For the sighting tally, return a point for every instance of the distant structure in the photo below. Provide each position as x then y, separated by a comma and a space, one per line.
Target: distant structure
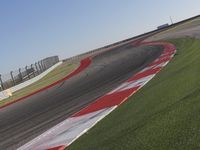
49, 61
163, 26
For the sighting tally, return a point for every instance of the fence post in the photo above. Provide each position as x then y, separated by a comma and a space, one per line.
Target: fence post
13, 80
37, 68
1, 83
33, 70
45, 67
40, 66
20, 74
27, 71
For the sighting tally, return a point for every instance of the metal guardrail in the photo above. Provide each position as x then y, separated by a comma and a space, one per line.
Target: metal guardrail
23, 74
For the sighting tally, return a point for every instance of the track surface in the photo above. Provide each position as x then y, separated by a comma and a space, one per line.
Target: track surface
22, 121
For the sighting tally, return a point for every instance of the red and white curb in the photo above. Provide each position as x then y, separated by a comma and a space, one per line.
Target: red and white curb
63, 134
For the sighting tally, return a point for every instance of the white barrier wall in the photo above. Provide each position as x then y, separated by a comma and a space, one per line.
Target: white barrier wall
4, 95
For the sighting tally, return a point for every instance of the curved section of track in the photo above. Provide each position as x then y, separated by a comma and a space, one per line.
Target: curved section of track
83, 65
21, 122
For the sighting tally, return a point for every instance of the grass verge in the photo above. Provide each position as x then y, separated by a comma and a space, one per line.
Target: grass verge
55, 75
163, 115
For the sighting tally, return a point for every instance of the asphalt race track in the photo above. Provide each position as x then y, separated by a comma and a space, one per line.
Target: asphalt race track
22, 121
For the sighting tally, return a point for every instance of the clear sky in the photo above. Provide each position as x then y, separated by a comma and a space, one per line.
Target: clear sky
34, 29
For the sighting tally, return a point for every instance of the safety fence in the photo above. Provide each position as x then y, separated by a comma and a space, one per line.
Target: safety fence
23, 74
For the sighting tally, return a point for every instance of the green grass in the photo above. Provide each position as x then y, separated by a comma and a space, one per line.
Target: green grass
163, 115
55, 75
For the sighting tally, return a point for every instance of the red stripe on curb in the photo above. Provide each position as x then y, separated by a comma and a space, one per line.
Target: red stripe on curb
163, 59
159, 61
145, 74
84, 64
107, 101
57, 148
167, 55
